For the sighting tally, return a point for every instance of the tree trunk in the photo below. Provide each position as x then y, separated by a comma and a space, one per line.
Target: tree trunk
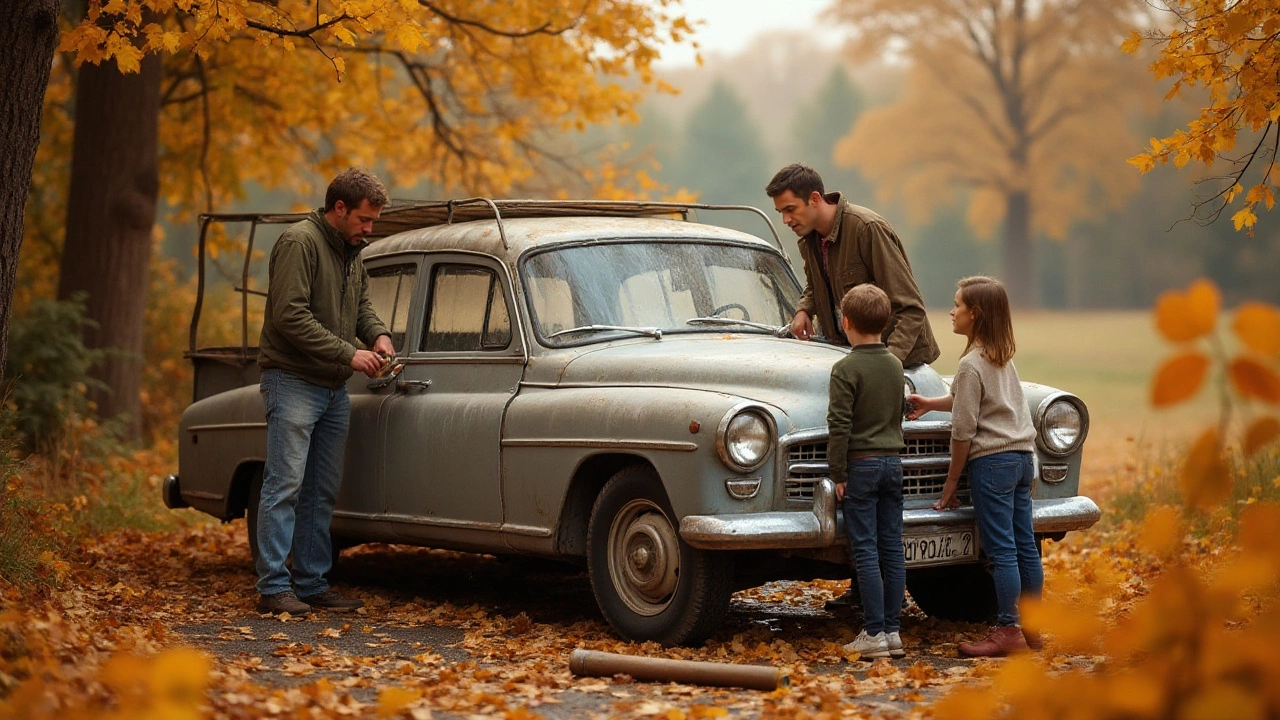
27, 41
111, 209
1019, 267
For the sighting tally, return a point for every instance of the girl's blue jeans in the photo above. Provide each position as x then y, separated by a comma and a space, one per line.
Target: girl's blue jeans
1001, 488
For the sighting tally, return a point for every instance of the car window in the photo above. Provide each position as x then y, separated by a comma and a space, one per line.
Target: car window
658, 284
390, 292
467, 311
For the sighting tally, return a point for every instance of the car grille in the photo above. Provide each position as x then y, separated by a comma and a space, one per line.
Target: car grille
927, 456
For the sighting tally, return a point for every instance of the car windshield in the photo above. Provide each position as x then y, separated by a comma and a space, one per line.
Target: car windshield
600, 292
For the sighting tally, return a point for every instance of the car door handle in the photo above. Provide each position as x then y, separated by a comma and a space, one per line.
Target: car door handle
406, 385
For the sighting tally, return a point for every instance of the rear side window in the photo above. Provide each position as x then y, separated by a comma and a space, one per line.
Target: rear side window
390, 292
468, 312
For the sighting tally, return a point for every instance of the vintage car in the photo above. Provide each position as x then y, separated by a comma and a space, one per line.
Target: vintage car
610, 383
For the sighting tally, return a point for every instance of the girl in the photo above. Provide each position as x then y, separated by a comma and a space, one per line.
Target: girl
992, 436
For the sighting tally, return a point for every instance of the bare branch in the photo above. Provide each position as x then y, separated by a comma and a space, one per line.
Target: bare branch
543, 29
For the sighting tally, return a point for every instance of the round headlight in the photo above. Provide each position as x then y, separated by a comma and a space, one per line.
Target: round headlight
1062, 427
747, 440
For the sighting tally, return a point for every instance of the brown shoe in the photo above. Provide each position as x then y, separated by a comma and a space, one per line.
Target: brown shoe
333, 601
1002, 641
282, 602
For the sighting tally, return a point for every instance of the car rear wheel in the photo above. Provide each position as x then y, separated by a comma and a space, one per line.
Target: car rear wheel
650, 584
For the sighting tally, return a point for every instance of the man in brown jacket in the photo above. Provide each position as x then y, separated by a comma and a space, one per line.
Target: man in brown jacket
844, 245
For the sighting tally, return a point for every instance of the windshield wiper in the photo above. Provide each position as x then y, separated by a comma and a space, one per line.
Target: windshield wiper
652, 332
777, 331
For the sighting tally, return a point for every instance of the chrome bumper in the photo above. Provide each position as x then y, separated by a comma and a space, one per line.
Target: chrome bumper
817, 528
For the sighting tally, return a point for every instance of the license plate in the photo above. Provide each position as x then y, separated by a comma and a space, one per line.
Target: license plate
938, 548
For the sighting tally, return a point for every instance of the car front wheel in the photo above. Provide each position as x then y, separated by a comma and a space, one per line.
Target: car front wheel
650, 584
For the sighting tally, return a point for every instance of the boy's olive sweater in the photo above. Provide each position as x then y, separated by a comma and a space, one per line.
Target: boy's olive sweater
864, 416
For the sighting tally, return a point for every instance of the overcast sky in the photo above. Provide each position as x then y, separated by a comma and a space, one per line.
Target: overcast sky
731, 24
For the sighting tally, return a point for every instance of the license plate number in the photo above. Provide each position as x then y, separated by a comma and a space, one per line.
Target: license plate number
939, 547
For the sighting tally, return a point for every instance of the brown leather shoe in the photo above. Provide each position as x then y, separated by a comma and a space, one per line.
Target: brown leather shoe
1002, 641
333, 601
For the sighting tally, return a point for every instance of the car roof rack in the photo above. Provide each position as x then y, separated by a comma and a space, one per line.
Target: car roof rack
402, 215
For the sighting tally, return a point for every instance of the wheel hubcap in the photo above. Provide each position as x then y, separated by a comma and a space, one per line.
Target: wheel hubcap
644, 557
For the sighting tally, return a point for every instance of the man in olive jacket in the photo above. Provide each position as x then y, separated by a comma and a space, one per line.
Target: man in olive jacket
844, 245
317, 307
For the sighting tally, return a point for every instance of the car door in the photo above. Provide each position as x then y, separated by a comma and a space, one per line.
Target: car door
443, 427
393, 290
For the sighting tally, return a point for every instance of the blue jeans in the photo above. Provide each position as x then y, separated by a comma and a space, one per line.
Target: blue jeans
873, 518
1001, 488
306, 439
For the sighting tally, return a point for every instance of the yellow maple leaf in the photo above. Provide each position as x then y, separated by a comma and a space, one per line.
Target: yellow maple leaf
1131, 43
1257, 324
1254, 380
1179, 378
1261, 433
394, 699
1161, 531
1244, 218
1205, 480
1183, 316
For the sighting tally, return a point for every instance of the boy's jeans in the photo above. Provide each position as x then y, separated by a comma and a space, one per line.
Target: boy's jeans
873, 518
306, 439
1001, 487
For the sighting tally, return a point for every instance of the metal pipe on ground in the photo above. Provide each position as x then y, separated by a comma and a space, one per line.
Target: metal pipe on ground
590, 663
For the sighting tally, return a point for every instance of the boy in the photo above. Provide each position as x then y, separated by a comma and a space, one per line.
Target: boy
864, 419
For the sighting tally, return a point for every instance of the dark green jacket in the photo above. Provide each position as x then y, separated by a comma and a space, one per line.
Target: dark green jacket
864, 415
317, 304
866, 250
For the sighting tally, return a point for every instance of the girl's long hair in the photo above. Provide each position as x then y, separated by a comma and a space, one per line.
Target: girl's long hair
992, 321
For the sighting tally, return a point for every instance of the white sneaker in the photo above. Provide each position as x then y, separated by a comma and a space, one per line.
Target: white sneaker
894, 641
869, 646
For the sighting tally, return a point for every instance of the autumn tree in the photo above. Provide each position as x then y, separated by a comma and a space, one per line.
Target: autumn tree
27, 41
1012, 105
1231, 50
471, 96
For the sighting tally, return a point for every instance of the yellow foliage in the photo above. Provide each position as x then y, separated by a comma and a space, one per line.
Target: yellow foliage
1205, 479
1179, 378
1228, 49
1252, 379
394, 699
1183, 316
1200, 642
1161, 532
1000, 102
465, 97
1257, 325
